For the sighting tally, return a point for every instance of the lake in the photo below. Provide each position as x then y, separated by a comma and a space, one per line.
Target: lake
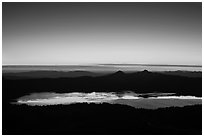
146, 100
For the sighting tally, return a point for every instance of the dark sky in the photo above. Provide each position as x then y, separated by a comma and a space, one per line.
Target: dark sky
88, 33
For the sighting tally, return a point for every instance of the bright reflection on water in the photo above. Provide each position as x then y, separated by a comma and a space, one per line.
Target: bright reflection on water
66, 98
154, 100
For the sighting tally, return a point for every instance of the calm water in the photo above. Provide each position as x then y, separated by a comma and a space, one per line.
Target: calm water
154, 100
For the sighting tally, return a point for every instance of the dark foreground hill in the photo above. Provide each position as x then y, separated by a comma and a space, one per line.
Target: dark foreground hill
140, 82
98, 119
50, 74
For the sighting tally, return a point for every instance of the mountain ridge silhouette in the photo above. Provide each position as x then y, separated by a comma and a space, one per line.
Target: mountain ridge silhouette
140, 82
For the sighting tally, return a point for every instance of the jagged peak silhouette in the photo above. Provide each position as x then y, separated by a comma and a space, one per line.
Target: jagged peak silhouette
145, 71
119, 72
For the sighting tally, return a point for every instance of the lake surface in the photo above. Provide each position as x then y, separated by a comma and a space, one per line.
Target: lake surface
147, 100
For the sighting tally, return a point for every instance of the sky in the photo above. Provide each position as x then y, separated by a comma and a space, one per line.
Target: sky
101, 33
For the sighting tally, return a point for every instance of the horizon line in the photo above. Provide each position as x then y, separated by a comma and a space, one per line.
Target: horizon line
108, 64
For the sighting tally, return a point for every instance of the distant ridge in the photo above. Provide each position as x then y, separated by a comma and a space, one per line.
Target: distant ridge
52, 74
162, 65
80, 73
141, 82
100, 68
117, 74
